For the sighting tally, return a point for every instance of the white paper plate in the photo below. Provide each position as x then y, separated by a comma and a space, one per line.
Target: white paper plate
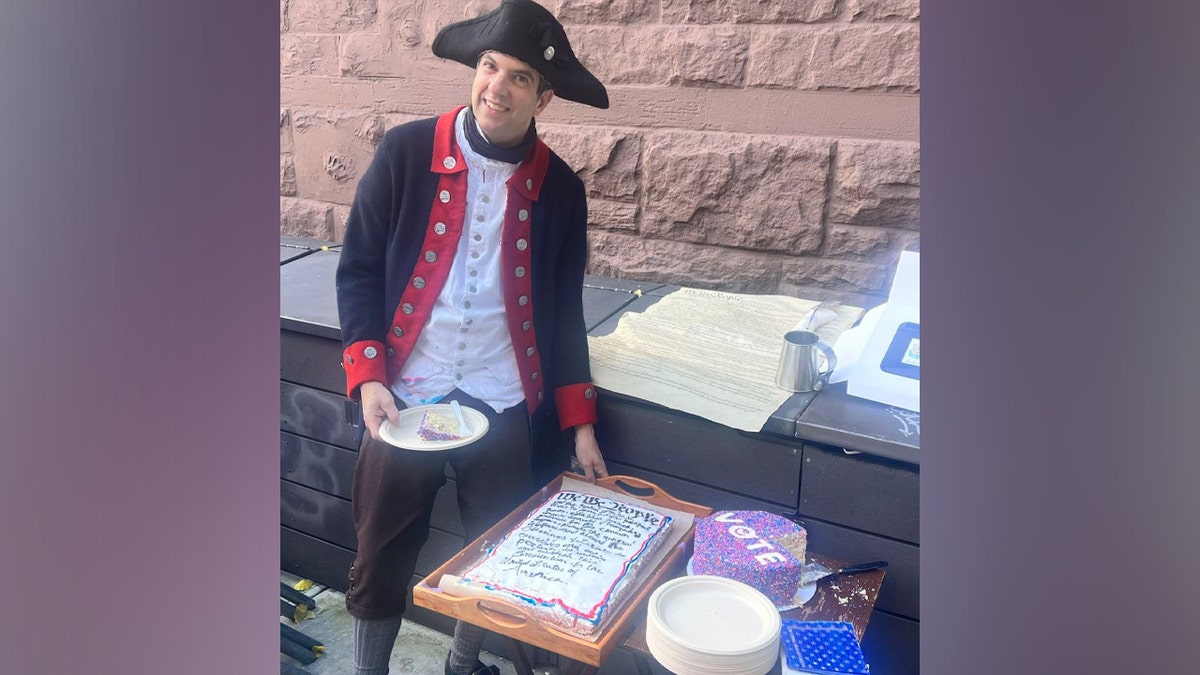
803, 593
678, 659
714, 617
403, 434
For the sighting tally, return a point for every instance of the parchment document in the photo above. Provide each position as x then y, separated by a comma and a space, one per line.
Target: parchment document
708, 353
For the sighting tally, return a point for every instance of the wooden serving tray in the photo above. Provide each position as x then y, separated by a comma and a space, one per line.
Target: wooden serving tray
507, 618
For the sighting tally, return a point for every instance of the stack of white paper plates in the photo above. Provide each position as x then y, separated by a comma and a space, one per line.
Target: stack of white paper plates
706, 625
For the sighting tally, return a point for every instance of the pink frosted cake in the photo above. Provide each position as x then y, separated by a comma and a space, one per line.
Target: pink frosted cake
571, 562
757, 548
436, 426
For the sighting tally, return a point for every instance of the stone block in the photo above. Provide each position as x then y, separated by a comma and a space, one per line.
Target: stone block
664, 54
303, 54
866, 243
614, 216
338, 215
333, 148
747, 11
436, 15
780, 57
756, 192
388, 55
884, 10
877, 57
285, 130
304, 218
402, 49
329, 16
627, 257
409, 21
608, 160
602, 11
287, 176
838, 275
878, 184
819, 294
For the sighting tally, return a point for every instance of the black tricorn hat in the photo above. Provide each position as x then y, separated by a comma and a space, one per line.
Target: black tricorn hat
525, 30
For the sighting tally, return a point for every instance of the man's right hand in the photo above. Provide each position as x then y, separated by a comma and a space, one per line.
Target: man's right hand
377, 405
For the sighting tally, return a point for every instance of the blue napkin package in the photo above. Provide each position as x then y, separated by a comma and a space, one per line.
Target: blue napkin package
825, 647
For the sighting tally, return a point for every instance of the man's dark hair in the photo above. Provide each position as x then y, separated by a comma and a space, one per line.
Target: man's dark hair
543, 84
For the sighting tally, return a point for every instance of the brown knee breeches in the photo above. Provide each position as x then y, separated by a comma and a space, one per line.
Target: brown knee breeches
393, 497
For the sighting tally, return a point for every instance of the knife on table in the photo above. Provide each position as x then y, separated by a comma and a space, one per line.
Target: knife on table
813, 572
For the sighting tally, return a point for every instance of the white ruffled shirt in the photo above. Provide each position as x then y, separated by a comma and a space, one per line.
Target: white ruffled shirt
466, 344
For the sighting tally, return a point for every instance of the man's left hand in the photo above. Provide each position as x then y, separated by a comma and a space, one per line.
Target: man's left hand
587, 452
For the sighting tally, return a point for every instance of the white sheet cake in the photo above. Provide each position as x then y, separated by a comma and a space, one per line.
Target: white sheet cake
573, 561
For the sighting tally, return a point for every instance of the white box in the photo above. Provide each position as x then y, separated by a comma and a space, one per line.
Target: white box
868, 379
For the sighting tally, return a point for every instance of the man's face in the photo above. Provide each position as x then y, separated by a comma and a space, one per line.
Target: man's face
504, 98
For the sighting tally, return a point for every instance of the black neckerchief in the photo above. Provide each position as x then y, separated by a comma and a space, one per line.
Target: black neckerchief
484, 147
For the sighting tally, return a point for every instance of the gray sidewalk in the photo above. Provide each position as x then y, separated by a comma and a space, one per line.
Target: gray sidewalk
419, 650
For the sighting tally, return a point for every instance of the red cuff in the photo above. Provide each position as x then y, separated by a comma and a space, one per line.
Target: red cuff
576, 404
364, 362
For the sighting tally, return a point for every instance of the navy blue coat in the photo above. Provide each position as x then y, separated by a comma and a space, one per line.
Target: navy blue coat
400, 240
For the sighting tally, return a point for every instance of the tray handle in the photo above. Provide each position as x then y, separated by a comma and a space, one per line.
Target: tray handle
630, 485
650, 492
501, 615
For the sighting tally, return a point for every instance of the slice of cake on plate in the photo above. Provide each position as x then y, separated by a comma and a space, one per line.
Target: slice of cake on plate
757, 548
438, 426
572, 562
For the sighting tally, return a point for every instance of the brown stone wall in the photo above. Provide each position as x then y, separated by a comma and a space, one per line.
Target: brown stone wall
765, 146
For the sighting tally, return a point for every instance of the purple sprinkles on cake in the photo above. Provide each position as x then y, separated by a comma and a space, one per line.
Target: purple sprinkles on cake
757, 548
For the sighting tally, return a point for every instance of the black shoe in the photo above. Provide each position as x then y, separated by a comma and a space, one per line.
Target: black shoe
479, 668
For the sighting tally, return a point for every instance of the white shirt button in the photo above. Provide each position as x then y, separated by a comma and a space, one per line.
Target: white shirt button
440, 228
522, 244
449, 163
523, 215
370, 352
444, 195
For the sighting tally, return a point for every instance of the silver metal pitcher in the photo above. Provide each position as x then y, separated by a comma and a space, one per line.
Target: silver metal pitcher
799, 369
